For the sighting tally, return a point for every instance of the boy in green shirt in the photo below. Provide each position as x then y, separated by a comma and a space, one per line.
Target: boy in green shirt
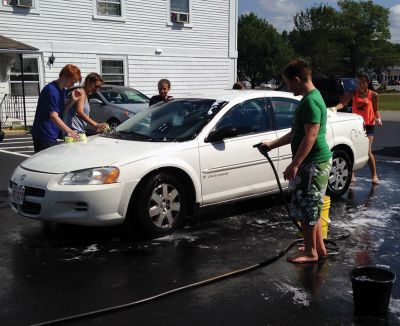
309, 170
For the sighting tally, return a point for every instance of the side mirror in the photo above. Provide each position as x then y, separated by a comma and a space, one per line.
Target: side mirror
221, 134
95, 101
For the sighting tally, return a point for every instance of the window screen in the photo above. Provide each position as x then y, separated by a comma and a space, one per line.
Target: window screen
112, 72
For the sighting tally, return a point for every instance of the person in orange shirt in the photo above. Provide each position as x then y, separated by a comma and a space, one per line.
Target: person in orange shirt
365, 103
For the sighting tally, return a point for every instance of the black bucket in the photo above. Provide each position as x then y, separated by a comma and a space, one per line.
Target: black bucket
372, 287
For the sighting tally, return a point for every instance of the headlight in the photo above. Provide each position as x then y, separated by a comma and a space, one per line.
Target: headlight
95, 176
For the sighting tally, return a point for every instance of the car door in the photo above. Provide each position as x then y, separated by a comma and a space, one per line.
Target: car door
232, 168
283, 113
98, 108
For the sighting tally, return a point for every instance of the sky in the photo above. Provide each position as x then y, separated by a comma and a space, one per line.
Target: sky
280, 13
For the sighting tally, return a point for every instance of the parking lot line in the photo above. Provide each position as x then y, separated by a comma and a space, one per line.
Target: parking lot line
15, 153
17, 138
5, 142
16, 147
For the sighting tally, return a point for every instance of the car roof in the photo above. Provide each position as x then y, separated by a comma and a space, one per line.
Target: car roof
230, 95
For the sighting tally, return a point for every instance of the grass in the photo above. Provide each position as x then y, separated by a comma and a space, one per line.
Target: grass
389, 102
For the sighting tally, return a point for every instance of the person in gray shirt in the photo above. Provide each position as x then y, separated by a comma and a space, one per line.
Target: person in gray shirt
77, 117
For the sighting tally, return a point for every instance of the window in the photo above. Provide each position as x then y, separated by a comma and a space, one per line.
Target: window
180, 6
112, 71
179, 11
247, 117
19, 3
284, 110
109, 7
31, 77
20, 6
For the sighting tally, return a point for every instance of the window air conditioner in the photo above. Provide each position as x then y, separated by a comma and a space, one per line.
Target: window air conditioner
179, 17
23, 3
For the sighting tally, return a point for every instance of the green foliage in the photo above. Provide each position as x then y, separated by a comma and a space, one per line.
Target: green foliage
335, 42
364, 26
382, 56
263, 52
316, 38
343, 41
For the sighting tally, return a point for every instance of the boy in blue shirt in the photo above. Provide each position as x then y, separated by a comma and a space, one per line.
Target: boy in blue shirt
52, 101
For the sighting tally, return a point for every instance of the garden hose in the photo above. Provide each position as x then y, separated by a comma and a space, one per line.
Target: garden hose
210, 280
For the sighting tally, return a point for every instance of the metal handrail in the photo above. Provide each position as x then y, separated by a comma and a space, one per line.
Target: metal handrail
1, 107
2, 101
12, 106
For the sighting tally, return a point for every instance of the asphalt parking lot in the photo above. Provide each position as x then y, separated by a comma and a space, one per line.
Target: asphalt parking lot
51, 271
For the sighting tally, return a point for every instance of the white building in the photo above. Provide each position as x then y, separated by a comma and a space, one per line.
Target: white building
129, 42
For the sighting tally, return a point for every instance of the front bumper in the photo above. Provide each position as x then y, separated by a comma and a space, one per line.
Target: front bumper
46, 200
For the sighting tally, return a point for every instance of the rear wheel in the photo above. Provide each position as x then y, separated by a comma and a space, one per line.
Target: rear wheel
160, 206
340, 176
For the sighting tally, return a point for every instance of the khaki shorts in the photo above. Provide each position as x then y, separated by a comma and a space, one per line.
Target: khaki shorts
308, 190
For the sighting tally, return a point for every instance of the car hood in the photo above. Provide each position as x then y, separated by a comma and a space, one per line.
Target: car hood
96, 152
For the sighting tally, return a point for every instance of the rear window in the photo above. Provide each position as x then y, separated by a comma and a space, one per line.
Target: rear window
349, 84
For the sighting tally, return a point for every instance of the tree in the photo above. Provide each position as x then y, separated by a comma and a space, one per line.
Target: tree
344, 41
315, 38
364, 29
384, 55
262, 50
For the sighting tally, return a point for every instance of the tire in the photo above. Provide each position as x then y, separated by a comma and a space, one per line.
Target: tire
340, 176
160, 205
113, 123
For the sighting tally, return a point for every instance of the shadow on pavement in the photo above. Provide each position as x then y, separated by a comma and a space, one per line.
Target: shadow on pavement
389, 151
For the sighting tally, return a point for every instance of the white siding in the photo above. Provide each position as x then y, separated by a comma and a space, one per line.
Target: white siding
185, 74
200, 55
145, 25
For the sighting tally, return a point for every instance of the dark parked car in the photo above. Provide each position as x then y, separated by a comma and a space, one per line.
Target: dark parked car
393, 82
332, 89
115, 104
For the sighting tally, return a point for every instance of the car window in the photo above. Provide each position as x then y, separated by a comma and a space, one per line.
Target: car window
136, 97
176, 120
247, 117
114, 97
349, 84
283, 110
123, 95
94, 95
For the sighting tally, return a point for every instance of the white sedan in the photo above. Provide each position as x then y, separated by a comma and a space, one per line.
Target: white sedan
158, 167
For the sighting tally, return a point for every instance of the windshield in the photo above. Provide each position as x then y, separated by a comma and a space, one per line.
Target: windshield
123, 95
176, 120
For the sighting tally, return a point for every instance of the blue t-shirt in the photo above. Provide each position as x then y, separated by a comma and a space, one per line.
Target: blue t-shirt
51, 99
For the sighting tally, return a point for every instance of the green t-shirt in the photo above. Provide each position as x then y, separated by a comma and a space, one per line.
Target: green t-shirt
311, 110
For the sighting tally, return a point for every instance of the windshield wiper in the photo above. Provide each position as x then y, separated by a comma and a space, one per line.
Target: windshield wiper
110, 135
133, 134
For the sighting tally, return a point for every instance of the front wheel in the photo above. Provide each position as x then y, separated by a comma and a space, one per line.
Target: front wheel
340, 175
161, 205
